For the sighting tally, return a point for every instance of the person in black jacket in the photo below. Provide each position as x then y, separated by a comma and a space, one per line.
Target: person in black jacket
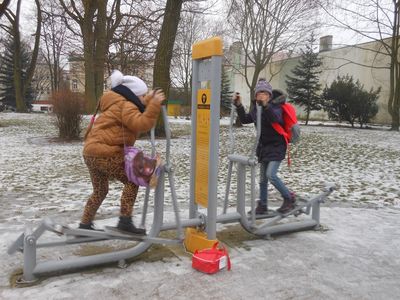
271, 148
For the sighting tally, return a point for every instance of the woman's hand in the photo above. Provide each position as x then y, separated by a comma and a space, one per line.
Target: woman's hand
158, 95
236, 99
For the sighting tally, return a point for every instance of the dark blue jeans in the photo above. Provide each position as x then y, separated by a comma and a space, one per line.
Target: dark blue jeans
268, 172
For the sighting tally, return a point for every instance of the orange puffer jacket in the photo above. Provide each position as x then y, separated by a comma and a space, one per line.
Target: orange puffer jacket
120, 121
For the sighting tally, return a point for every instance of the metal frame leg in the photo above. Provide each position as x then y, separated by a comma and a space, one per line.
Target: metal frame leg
29, 257
316, 213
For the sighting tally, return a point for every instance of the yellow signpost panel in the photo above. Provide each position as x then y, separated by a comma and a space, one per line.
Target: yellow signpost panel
206, 79
203, 146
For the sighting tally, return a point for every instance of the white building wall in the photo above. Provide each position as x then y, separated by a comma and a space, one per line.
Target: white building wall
335, 62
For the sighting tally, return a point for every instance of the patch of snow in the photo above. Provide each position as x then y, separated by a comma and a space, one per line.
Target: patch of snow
356, 257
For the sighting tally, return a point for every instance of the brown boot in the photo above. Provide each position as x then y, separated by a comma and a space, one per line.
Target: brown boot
287, 205
261, 209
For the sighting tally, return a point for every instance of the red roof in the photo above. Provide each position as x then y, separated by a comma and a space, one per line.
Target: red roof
43, 102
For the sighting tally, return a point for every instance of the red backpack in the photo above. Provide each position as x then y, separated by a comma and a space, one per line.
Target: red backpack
291, 129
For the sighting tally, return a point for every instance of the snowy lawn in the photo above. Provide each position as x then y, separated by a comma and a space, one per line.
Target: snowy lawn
355, 256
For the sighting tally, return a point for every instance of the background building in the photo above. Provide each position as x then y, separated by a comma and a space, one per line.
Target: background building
354, 60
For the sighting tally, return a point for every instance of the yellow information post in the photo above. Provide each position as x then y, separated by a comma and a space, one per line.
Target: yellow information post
202, 146
206, 89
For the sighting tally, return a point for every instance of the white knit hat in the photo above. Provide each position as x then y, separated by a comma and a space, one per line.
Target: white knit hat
135, 84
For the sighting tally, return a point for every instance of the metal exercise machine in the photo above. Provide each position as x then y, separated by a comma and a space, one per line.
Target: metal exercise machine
207, 61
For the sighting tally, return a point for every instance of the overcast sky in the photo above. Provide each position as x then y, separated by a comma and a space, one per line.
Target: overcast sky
341, 36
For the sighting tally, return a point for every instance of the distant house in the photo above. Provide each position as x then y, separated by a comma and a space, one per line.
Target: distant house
43, 106
76, 74
336, 62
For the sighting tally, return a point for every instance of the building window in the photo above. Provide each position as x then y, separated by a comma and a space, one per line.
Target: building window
74, 84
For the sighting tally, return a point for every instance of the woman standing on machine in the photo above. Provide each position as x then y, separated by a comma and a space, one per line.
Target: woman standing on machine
126, 111
271, 148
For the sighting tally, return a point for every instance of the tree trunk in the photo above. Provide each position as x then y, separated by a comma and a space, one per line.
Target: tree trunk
308, 116
394, 96
21, 84
88, 49
19, 96
100, 51
396, 107
163, 56
88, 54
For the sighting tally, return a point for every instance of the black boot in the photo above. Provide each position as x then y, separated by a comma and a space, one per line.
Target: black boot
126, 224
89, 226
261, 209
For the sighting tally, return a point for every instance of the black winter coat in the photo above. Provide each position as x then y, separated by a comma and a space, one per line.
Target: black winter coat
271, 145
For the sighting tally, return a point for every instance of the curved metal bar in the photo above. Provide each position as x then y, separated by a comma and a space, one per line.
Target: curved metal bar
145, 206
170, 172
258, 130
167, 135
253, 194
253, 170
271, 225
231, 151
98, 259
153, 141
147, 194
228, 187
231, 136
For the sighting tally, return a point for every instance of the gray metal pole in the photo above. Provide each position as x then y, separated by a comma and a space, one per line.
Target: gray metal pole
316, 212
147, 194
216, 63
253, 194
195, 87
170, 172
228, 186
231, 151
241, 189
288, 227
29, 256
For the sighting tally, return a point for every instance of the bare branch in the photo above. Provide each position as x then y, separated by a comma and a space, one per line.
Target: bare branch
3, 6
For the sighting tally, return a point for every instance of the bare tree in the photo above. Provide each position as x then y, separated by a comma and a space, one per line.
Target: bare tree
21, 83
165, 46
3, 6
41, 82
189, 31
376, 21
199, 20
53, 40
97, 28
267, 27
134, 42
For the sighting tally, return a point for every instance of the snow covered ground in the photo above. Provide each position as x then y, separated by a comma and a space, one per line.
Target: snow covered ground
354, 256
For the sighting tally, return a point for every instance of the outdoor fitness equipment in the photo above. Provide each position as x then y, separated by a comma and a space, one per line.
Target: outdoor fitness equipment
27, 242
207, 61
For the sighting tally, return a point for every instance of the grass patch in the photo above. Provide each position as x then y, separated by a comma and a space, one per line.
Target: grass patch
14, 122
234, 236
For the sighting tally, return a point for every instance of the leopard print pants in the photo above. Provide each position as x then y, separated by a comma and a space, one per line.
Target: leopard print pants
101, 171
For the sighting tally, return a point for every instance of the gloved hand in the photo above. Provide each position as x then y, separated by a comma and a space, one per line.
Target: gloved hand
236, 99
